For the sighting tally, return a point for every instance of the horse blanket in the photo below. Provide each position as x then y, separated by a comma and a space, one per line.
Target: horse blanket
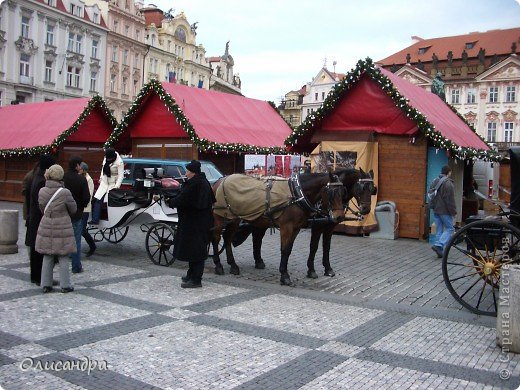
247, 198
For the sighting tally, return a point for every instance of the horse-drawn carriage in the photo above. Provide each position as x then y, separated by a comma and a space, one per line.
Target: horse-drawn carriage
477, 252
144, 204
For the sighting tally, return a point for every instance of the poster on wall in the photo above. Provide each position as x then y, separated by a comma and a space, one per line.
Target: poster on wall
255, 165
271, 165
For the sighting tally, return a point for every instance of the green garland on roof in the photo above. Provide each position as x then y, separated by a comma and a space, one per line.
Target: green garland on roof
202, 144
425, 127
45, 149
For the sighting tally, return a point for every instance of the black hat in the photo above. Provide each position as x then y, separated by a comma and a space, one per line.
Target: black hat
110, 154
46, 161
193, 166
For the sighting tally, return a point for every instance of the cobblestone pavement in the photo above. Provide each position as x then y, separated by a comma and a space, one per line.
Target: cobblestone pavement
384, 321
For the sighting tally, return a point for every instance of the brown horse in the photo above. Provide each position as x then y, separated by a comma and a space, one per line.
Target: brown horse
314, 187
359, 186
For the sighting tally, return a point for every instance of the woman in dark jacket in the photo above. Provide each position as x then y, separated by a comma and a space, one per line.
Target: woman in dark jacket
194, 204
34, 216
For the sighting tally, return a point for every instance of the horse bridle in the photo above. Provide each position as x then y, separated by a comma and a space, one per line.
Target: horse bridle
359, 187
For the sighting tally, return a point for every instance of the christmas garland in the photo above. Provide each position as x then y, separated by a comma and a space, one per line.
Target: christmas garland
204, 145
52, 148
425, 127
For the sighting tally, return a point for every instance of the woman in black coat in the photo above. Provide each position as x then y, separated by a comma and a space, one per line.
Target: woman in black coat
34, 216
194, 204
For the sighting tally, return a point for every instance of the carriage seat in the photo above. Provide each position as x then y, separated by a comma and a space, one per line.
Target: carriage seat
121, 198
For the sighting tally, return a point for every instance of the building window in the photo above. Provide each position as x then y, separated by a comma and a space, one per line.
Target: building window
455, 96
95, 18
510, 94
470, 45
137, 33
125, 57
115, 25
25, 26
52, 3
493, 94
24, 64
492, 132
508, 131
94, 49
74, 43
316, 96
323, 96
123, 85
50, 35
76, 10
48, 71
127, 30
112, 83
153, 40
136, 60
471, 96
135, 87
73, 76
114, 53
93, 81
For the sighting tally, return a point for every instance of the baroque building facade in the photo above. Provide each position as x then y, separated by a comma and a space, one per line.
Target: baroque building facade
50, 49
223, 78
173, 54
125, 53
481, 76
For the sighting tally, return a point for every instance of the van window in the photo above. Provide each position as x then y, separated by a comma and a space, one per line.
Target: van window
211, 172
138, 169
175, 171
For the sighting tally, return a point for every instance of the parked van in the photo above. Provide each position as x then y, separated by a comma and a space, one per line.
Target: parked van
172, 168
486, 174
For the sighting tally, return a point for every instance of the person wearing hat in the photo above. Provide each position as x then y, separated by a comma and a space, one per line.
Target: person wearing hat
55, 236
83, 170
34, 216
78, 187
194, 205
112, 174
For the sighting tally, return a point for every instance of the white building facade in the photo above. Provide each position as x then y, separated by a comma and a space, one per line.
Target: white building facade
317, 91
51, 50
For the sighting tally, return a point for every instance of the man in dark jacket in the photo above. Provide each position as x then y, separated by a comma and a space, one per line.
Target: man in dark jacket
78, 186
194, 204
34, 216
444, 212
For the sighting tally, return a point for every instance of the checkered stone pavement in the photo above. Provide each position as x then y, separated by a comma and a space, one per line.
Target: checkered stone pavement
132, 321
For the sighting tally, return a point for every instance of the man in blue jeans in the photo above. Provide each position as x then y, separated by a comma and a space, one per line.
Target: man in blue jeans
77, 185
444, 211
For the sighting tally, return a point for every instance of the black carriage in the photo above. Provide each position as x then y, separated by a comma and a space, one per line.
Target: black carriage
476, 253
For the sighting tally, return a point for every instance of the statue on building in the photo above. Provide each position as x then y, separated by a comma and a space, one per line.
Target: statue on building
193, 28
226, 53
219, 71
481, 56
450, 58
464, 57
420, 65
393, 68
494, 59
408, 58
168, 15
435, 60
438, 86
513, 48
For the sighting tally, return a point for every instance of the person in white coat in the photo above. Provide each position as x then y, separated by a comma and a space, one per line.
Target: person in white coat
112, 175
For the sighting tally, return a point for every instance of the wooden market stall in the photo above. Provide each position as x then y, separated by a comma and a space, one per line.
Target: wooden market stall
169, 120
61, 127
379, 121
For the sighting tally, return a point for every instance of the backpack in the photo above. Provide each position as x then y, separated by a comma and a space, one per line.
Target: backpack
434, 190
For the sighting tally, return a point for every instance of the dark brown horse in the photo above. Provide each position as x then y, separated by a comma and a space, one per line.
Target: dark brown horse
315, 188
359, 186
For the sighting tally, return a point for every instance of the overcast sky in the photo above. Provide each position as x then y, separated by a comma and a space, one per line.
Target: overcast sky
279, 45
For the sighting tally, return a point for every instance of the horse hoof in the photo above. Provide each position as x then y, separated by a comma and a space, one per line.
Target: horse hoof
259, 264
286, 281
330, 273
219, 270
234, 271
312, 274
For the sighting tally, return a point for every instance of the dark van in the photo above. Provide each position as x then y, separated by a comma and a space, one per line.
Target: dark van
171, 168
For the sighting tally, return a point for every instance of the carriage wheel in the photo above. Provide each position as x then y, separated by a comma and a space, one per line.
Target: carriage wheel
159, 243
115, 235
472, 262
96, 234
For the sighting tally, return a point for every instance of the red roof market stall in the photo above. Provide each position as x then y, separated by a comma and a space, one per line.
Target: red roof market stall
388, 124
61, 127
170, 120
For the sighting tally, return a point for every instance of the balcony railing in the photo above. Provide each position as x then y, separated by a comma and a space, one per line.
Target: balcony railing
28, 80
